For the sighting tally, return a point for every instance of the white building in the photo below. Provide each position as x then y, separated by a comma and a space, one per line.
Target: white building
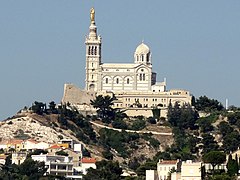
42, 145
165, 167
87, 163
191, 170
176, 170
2, 159
29, 144
131, 83
57, 165
151, 175
18, 157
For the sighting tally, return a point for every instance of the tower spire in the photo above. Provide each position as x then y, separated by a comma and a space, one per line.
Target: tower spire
93, 55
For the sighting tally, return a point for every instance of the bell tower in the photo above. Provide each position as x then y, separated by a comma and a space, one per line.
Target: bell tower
93, 56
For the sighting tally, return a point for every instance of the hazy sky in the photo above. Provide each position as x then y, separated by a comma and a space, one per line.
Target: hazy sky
194, 44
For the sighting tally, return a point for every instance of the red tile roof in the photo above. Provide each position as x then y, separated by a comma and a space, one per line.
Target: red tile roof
88, 160
15, 141
168, 161
55, 147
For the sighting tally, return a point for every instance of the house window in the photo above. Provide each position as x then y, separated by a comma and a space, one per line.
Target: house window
140, 77
127, 80
106, 80
117, 80
92, 64
92, 76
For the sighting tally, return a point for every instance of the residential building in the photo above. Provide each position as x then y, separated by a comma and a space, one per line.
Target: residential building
176, 170
3, 145
15, 144
29, 144
54, 148
165, 167
87, 163
42, 145
3, 158
57, 165
191, 170
151, 175
18, 157
70, 142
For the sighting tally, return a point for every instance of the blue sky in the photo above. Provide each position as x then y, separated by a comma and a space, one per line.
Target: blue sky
194, 44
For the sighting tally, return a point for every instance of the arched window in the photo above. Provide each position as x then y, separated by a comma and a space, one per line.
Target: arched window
142, 57
95, 51
117, 80
127, 80
92, 76
92, 49
106, 80
140, 77
89, 50
143, 77
148, 57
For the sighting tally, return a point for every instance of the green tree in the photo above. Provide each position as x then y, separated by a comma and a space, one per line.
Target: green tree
32, 169
214, 158
232, 166
209, 144
141, 170
38, 107
103, 104
52, 107
205, 124
105, 170
174, 114
133, 163
182, 117
62, 153
28, 170
138, 124
231, 141
107, 154
203, 103
224, 128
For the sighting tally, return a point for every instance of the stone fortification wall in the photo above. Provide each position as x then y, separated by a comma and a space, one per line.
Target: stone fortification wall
76, 96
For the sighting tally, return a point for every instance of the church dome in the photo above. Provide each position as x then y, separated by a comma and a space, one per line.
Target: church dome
142, 49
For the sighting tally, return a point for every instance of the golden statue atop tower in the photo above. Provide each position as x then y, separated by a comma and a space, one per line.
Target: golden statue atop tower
92, 15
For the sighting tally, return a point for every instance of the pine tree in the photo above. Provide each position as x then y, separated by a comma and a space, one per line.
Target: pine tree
232, 166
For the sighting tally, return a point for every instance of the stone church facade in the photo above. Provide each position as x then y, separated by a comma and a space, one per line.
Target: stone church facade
133, 84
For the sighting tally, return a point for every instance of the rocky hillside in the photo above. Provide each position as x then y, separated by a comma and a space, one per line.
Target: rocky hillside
49, 128
27, 125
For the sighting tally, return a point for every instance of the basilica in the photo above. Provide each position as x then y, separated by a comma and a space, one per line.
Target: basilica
133, 84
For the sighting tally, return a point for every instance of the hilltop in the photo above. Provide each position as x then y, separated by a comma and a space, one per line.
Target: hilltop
137, 143
48, 127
